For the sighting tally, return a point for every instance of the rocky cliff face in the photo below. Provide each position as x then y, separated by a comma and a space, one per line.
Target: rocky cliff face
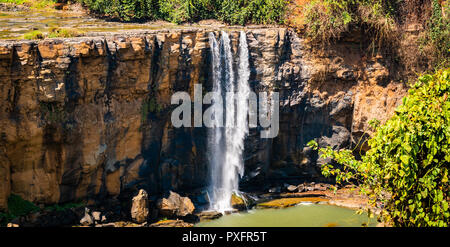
89, 118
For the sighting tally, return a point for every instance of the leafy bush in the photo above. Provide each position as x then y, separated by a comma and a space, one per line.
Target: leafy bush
57, 32
17, 206
127, 10
178, 11
36, 34
405, 171
253, 11
439, 33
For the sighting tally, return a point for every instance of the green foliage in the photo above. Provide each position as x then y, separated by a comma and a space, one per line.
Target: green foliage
325, 20
57, 32
439, 33
17, 207
405, 171
36, 34
179, 11
126, 10
176, 11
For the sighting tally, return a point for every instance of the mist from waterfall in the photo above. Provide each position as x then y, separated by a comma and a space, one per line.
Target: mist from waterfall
226, 144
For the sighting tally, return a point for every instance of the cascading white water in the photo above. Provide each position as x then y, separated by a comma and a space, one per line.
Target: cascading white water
227, 143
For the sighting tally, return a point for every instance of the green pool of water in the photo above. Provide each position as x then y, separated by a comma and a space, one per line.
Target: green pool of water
303, 215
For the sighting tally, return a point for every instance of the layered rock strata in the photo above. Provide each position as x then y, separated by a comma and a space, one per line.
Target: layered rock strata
89, 117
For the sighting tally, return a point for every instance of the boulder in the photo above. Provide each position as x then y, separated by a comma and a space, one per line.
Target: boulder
208, 215
12, 225
139, 209
320, 187
171, 223
175, 205
96, 215
292, 188
301, 188
87, 220
238, 202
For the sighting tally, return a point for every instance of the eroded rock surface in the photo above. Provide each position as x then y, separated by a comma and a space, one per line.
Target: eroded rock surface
175, 206
89, 118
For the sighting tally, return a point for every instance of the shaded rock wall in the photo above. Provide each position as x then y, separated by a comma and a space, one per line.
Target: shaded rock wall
89, 118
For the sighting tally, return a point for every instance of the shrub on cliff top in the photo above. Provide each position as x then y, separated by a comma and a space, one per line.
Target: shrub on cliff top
437, 39
126, 10
178, 11
324, 20
253, 11
405, 171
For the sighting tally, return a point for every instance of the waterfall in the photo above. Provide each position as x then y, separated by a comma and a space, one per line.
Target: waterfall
227, 142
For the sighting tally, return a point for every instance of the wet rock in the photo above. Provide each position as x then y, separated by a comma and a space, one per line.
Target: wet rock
301, 188
96, 216
292, 188
139, 208
289, 202
200, 198
175, 205
171, 223
238, 202
121, 224
111, 79
208, 215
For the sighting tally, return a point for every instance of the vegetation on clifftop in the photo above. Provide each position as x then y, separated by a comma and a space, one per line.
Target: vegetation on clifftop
178, 11
381, 22
405, 173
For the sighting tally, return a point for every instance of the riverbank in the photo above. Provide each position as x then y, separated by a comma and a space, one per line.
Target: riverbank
121, 84
338, 205
23, 22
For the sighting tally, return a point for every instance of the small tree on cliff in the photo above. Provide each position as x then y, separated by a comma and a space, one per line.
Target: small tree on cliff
405, 171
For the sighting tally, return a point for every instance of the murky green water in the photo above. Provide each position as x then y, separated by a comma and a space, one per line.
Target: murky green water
303, 215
